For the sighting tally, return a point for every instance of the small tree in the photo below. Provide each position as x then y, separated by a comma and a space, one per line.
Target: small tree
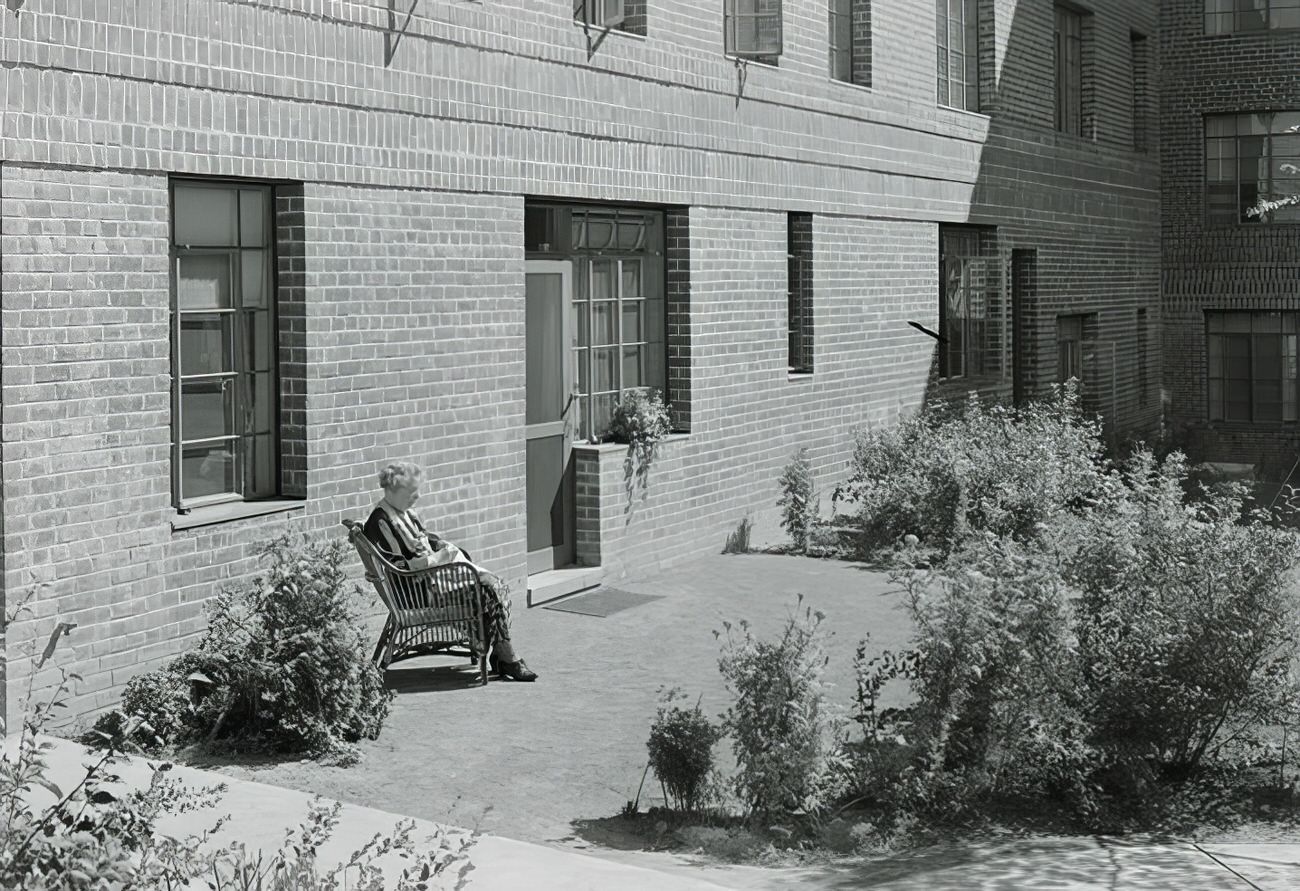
681, 751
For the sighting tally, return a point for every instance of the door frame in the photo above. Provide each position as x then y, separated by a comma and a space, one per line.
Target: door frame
563, 554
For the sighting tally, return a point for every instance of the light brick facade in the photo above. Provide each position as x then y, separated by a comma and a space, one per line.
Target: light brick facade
404, 148
1240, 267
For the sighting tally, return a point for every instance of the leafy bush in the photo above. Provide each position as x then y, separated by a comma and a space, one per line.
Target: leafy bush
798, 502
1189, 624
282, 666
1124, 644
996, 469
98, 834
681, 752
778, 721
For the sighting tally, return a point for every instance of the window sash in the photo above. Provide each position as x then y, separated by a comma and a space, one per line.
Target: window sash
1069, 71
753, 29
1249, 157
957, 45
225, 393
600, 13
1251, 367
1233, 16
840, 39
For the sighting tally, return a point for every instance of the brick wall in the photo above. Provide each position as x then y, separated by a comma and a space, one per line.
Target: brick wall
1240, 267
404, 146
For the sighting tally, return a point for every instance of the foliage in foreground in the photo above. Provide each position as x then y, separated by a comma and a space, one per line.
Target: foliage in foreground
282, 666
99, 835
779, 722
1127, 645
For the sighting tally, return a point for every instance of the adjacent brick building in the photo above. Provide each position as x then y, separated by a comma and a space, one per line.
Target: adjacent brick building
253, 249
1229, 102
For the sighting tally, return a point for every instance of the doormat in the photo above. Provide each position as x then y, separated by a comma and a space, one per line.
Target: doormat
602, 602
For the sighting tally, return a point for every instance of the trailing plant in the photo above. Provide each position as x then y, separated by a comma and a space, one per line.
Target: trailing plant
640, 420
944, 476
681, 752
798, 502
282, 665
779, 722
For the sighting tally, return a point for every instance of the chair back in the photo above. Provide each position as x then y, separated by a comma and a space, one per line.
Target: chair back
445, 594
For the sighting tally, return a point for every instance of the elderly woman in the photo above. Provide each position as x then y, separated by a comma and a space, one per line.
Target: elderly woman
398, 534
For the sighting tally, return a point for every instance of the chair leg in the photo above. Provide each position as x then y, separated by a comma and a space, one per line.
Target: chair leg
381, 647
482, 669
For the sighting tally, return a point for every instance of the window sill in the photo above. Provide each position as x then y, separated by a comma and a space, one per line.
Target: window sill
849, 83
234, 510
622, 446
978, 114
799, 375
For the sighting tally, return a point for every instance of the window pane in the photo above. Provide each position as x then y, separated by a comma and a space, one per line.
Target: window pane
207, 409
633, 329
207, 470
205, 217
654, 321
631, 367
631, 278
1216, 400
604, 370
207, 343
654, 371
602, 280
203, 281
259, 466
259, 342
260, 410
252, 218
603, 330
254, 285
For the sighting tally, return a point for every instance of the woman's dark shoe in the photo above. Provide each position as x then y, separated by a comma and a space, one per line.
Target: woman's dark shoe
516, 671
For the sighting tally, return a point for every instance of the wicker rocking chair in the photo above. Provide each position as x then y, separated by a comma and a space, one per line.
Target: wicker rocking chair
433, 610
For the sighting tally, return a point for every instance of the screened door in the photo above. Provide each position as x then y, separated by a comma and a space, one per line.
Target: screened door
549, 390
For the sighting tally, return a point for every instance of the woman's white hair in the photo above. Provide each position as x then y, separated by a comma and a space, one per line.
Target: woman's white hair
398, 475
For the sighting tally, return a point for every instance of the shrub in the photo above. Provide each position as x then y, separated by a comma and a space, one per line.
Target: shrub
996, 469
282, 665
681, 752
778, 721
97, 834
1189, 623
738, 540
798, 502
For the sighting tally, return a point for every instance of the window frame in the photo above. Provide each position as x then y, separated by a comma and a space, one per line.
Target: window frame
733, 16
840, 14
980, 316
799, 253
597, 13
241, 368
1234, 15
970, 53
1248, 334
1072, 335
1217, 218
1068, 71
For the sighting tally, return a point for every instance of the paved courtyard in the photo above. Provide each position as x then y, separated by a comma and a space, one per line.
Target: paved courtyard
526, 760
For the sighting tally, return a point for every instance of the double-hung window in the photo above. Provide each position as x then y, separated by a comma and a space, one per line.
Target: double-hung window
1251, 366
969, 311
224, 388
1252, 168
1227, 16
1069, 348
957, 39
600, 13
840, 39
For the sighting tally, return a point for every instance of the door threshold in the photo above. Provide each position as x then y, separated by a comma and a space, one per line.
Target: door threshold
552, 584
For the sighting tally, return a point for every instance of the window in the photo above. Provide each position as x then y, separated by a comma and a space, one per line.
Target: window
957, 36
1069, 348
849, 41
1069, 71
1140, 63
1252, 168
969, 305
1227, 16
618, 341
619, 15
225, 393
799, 258
752, 29
1251, 368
